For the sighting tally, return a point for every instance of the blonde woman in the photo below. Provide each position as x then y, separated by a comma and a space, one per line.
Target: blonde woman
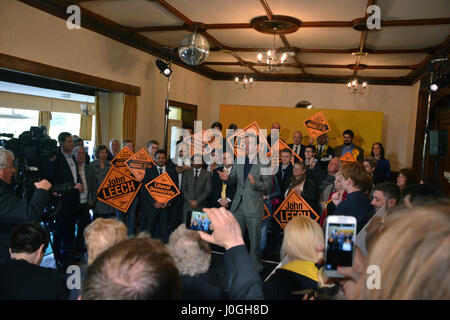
301, 238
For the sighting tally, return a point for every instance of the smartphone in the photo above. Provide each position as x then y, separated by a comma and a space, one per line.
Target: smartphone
198, 221
340, 234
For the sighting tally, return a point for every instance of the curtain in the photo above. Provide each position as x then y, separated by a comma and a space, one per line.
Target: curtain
102, 117
44, 119
129, 118
86, 127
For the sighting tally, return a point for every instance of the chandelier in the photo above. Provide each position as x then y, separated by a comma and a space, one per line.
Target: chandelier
246, 83
356, 88
272, 62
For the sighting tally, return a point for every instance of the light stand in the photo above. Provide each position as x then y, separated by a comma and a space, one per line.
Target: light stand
166, 116
427, 129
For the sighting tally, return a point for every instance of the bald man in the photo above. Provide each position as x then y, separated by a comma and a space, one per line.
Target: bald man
275, 126
297, 145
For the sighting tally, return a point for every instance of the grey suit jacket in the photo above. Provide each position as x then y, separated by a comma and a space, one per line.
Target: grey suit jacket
248, 197
360, 157
199, 193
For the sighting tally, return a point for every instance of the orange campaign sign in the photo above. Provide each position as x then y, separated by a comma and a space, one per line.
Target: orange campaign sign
203, 142
266, 213
120, 159
317, 125
348, 157
162, 188
294, 205
139, 162
239, 139
280, 144
118, 189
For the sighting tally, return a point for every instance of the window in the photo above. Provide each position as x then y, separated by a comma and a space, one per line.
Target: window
16, 121
64, 122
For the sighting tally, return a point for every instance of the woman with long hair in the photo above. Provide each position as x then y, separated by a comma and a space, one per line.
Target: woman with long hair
382, 171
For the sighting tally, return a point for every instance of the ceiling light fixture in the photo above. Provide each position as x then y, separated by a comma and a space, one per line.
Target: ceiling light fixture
356, 88
272, 62
246, 83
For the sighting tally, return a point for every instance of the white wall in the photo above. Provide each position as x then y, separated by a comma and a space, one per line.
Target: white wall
399, 104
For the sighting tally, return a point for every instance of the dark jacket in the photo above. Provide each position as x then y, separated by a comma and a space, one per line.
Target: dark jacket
311, 194
301, 153
356, 204
146, 199
198, 288
21, 280
282, 284
216, 191
14, 210
284, 181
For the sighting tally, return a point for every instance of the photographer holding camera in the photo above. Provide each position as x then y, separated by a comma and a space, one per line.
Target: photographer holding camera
15, 210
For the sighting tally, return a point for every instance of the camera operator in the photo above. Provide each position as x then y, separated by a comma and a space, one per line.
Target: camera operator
65, 172
14, 210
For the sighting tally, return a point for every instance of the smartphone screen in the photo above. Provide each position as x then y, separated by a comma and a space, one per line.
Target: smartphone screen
340, 240
199, 221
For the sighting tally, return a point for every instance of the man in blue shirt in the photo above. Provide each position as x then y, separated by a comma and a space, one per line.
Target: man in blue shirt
348, 146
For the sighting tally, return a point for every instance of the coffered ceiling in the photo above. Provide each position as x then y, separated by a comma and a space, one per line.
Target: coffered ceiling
412, 32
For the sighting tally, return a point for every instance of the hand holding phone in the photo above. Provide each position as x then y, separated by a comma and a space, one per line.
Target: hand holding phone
340, 235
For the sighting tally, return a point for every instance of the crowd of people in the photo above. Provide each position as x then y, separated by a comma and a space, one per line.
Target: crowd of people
149, 252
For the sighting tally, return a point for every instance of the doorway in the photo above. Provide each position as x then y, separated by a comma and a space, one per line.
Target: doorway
181, 115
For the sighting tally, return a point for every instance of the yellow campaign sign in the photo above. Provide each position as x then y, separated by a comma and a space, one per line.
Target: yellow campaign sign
120, 159
294, 205
139, 162
280, 144
118, 189
317, 125
348, 157
162, 188
239, 139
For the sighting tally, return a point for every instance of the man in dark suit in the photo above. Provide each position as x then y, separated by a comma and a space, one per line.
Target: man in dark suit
353, 177
348, 146
297, 146
324, 153
196, 187
22, 278
64, 171
222, 194
155, 216
284, 173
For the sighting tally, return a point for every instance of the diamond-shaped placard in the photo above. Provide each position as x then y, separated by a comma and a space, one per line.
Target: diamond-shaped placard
239, 139
120, 159
317, 125
118, 189
139, 162
294, 205
162, 188
348, 157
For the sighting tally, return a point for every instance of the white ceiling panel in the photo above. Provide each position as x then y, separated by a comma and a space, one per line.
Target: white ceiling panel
219, 11
230, 69
287, 70
328, 10
220, 57
325, 38
166, 38
133, 13
246, 38
409, 37
327, 58
413, 9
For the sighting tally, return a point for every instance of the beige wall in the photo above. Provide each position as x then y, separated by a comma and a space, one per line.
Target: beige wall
31, 34
399, 104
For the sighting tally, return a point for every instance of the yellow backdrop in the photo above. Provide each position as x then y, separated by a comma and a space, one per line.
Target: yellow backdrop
367, 125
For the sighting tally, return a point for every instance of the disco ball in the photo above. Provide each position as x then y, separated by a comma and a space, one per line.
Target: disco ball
193, 49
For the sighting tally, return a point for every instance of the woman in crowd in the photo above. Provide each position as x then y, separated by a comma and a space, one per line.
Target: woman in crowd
96, 172
337, 195
383, 167
299, 255
303, 185
406, 177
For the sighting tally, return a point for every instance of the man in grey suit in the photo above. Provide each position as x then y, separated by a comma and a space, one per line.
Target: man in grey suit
248, 204
348, 146
196, 187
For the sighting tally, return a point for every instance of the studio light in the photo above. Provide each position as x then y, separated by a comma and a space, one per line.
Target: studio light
164, 67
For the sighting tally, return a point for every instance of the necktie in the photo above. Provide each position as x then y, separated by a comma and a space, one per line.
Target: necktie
223, 195
320, 151
196, 176
282, 173
296, 149
160, 171
247, 168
